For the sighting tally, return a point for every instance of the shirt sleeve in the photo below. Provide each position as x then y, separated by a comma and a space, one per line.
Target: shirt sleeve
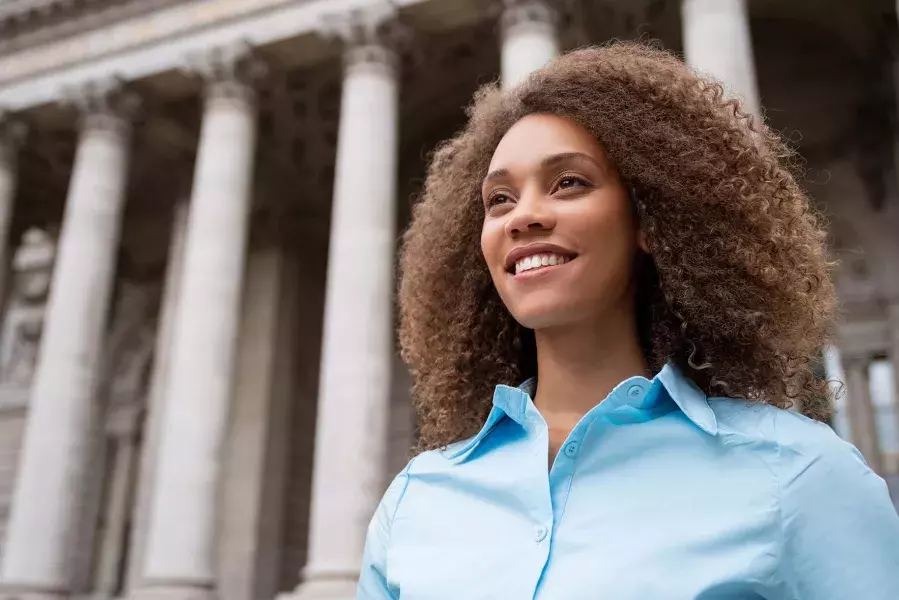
373, 580
840, 529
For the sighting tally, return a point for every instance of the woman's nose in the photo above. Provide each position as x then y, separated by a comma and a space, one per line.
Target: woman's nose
530, 216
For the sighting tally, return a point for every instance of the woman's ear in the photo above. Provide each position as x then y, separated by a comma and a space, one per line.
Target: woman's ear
641, 241
639, 210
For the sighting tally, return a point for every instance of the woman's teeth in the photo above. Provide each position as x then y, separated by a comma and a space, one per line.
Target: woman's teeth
539, 260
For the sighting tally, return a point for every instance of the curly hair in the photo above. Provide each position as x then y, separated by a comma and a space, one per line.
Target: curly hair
736, 290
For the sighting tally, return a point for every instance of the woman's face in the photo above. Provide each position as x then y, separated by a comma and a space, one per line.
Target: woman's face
559, 235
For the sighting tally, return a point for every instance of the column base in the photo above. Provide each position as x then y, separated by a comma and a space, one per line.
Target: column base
172, 592
323, 590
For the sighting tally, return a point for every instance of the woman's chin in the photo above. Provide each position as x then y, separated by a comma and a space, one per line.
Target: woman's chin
547, 314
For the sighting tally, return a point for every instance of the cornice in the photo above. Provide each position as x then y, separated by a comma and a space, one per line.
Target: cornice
23, 9
25, 13
25, 23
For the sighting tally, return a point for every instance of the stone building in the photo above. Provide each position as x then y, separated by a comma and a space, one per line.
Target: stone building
199, 208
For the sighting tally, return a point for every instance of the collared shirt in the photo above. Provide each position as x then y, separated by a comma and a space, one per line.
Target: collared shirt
657, 493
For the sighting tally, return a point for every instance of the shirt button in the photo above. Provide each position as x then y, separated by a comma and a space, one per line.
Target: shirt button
635, 391
571, 449
540, 533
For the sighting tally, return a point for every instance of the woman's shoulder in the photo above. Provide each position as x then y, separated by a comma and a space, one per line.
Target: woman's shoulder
789, 441
836, 514
423, 462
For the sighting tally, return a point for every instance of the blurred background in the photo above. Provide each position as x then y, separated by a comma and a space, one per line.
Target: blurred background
199, 208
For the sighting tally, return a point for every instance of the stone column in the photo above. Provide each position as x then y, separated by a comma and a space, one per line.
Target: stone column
152, 426
12, 132
38, 559
354, 385
179, 560
256, 453
862, 418
718, 42
122, 460
893, 316
836, 377
529, 38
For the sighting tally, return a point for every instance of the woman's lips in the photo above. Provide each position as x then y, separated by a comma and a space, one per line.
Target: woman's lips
539, 261
529, 251
539, 271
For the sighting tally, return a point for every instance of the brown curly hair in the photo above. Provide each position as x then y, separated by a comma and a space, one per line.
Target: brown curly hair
737, 291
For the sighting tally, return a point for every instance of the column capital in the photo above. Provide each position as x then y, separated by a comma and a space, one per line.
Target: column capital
372, 36
231, 72
536, 14
12, 134
104, 104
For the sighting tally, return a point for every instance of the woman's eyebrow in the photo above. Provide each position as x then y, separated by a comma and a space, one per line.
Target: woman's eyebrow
545, 163
495, 174
554, 159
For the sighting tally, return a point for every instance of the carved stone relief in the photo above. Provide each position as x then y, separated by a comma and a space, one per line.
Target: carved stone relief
23, 322
129, 347
295, 167
125, 372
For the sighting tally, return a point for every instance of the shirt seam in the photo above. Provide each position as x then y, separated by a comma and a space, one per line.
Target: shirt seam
781, 525
780, 517
404, 473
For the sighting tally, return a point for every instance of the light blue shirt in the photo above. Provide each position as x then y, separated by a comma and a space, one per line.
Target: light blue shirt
658, 493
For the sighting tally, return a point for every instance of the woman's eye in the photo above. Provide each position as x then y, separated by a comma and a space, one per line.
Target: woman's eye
570, 182
496, 200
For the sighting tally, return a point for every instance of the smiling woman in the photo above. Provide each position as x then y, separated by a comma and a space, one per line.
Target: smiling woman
629, 249
551, 191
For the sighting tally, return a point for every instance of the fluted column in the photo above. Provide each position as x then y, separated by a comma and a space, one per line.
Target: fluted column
529, 38
862, 418
179, 560
351, 427
12, 132
37, 559
718, 42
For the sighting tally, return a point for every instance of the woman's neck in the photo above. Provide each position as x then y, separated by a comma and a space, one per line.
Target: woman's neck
578, 365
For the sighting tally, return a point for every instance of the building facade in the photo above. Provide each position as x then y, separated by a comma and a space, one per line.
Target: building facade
200, 203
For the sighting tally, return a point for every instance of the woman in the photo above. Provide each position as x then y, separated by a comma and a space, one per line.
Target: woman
626, 241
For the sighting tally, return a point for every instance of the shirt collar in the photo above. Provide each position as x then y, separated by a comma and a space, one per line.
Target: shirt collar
636, 392
691, 400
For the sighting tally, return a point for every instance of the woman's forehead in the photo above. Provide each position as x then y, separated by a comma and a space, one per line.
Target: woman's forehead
535, 137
